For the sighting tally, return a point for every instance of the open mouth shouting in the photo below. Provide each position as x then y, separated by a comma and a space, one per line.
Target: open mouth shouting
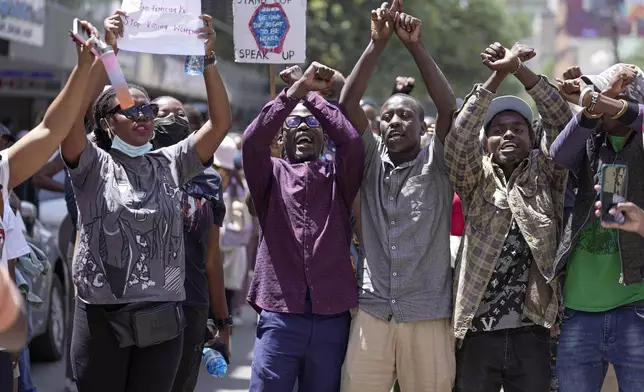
304, 139
508, 147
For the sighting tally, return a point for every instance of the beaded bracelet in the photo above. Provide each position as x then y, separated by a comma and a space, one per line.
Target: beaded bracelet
518, 68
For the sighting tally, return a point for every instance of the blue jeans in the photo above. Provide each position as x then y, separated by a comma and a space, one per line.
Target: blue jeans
24, 362
590, 341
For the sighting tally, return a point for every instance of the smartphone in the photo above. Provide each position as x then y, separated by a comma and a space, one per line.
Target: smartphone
613, 181
80, 34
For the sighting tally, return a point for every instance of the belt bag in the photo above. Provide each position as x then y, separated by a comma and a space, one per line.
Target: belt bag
146, 324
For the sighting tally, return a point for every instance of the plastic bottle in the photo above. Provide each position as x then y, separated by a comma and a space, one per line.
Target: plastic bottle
117, 79
193, 65
215, 362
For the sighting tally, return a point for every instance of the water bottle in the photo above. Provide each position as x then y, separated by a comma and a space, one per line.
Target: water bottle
215, 362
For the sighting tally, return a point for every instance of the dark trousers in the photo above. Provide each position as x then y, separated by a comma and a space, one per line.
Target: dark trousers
305, 347
516, 359
6, 372
194, 335
101, 366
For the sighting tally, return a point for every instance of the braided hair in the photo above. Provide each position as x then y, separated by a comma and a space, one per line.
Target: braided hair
101, 107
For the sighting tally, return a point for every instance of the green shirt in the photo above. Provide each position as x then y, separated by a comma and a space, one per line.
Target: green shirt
593, 276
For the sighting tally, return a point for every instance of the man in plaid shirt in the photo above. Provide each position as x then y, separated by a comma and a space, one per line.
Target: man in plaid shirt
512, 196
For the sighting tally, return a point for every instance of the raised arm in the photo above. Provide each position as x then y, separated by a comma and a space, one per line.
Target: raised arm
553, 109
210, 136
408, 29
349, 157
463, 153
358, 81
32, 151
76, 141
257, 139
569, 147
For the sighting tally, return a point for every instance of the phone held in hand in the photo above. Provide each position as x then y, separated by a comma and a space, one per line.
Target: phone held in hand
80, 35
613, 182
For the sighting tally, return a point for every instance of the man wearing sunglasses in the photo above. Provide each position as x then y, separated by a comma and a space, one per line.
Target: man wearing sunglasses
304, 284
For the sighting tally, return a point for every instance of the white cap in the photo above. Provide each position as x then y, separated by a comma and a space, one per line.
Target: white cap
225, 154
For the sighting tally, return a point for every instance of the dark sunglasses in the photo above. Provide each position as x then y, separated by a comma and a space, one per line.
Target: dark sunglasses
295, 121
146, 112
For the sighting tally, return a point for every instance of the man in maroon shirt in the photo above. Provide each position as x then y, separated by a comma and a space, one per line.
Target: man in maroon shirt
304, 285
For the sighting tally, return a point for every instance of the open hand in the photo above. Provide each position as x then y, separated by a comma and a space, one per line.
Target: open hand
620, 81
291, 74
317, 77
208, 33
382, 22
572, 73
113, 28
523, 52
498, 58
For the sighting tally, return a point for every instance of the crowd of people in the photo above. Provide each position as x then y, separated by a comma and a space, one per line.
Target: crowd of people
463, 252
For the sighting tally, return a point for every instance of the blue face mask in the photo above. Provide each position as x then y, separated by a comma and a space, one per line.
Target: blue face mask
128, 149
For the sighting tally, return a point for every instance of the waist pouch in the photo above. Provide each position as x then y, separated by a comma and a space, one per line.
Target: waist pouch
146, 324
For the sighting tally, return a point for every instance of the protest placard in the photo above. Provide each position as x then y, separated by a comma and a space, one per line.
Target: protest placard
270, 31
162, 27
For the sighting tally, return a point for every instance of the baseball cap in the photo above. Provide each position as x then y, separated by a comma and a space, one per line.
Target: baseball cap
634, 91
508, 103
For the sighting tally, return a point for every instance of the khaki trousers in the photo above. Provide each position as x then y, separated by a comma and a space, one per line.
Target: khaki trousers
420, 355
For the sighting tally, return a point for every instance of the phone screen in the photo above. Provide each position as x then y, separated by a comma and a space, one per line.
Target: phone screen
614, 182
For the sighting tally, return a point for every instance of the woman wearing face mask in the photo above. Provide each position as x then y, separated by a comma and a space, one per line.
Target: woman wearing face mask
203, 211
129, 268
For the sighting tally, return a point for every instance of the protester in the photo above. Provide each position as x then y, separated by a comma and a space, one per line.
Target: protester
237, 226
603, 287
402, 324
17, 163
129, 268
303, 284
505, 300
203, 210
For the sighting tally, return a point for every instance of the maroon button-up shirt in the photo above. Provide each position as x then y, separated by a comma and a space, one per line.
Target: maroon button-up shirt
303, 211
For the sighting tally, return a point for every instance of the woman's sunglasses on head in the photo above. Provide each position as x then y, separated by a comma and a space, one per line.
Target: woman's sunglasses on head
147, 112
295, 121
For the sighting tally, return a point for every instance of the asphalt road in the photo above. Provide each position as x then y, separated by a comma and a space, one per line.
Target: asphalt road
50, 377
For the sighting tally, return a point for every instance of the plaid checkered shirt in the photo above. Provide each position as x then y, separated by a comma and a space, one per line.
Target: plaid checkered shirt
533, 196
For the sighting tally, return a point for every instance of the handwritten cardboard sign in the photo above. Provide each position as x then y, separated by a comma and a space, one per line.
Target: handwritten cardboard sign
270, 31
162, 27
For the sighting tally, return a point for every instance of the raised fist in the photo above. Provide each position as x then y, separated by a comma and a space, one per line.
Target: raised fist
291, 74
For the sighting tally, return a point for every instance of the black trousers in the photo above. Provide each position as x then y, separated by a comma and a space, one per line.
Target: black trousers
101, 366
194, 335
516, 359
6, 372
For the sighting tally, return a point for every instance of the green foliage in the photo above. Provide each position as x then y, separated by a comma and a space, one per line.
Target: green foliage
338, 32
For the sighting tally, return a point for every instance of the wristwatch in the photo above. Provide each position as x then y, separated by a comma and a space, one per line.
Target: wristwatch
228, 321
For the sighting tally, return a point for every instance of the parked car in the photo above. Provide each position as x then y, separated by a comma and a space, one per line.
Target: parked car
54, 288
